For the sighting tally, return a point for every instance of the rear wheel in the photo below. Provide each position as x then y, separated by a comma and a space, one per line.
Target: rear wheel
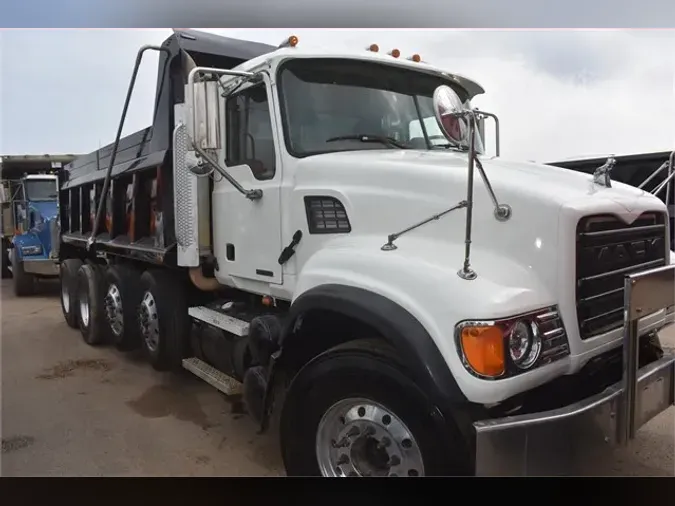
353, 411
90, 311
164, 321
68, 277
123, 295
24, 283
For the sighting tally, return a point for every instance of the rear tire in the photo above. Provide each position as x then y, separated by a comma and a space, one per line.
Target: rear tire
163, 320
359, 398
90, 312
24, 283
123, 295
68, 277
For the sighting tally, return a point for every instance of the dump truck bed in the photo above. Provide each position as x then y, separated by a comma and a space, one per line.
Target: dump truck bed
149, 147
138, 212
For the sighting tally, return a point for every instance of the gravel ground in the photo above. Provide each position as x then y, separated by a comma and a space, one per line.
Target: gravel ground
72, 410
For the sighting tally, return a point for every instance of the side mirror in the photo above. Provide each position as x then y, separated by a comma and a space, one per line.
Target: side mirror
206, 115
451, 114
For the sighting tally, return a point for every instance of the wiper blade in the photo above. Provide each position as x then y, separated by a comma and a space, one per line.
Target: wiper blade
450, 146
389, 141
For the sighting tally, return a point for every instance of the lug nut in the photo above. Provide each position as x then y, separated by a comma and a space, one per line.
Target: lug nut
341, 443
354, 431
384, 443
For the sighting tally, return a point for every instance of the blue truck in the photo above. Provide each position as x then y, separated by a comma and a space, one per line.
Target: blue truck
30, 218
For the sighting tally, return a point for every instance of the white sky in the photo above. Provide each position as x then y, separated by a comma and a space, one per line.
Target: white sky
558, 93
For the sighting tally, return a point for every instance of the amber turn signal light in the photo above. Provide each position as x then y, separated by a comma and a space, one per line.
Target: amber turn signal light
483, 349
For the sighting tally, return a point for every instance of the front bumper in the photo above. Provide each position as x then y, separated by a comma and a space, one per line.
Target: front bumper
570, 439
42, 267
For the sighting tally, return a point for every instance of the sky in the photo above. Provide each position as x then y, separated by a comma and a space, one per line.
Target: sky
559, 94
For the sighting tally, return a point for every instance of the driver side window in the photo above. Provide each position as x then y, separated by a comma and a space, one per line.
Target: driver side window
249, 132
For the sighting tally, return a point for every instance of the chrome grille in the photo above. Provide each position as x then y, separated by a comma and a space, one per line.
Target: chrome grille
608, 250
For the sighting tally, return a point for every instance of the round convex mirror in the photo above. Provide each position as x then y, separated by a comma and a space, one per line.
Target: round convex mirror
449, 112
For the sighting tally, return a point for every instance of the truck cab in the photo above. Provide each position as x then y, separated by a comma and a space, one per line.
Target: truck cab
29, 217
327, 233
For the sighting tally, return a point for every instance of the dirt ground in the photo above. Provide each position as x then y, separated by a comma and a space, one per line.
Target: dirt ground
72, 410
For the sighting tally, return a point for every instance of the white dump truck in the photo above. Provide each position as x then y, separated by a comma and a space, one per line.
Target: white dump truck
324, 233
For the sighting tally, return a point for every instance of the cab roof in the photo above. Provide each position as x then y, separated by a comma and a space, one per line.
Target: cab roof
280, 55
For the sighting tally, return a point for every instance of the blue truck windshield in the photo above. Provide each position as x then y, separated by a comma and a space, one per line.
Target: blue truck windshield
41, 189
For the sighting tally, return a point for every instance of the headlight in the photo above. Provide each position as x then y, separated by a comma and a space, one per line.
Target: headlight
510, 346
31, 250
524, 344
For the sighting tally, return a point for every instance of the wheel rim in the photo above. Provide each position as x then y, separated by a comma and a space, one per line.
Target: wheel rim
113, 309
359, 437
65, 297
149, 321
84, 306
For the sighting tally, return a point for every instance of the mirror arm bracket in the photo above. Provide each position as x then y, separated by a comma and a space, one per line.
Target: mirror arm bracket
249, 194
496, 120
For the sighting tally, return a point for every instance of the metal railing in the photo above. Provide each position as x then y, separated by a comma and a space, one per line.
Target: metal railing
118, 136
667, 183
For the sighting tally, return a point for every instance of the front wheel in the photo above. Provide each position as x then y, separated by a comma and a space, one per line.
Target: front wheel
6, 271
353, 412
24, 283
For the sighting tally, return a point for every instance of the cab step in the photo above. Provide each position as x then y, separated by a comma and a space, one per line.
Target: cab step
219, 318
217, 379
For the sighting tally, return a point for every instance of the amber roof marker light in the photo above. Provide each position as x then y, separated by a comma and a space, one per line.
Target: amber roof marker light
395, 53
291, 41
373, 48
416, 58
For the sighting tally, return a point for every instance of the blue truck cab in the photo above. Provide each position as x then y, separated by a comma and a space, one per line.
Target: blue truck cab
30, 219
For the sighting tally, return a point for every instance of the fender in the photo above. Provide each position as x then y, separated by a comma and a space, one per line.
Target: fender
398, 327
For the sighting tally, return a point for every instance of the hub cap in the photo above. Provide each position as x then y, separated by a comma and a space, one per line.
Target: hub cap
113, 310
149, 321
359, 437
65, 299
84, 306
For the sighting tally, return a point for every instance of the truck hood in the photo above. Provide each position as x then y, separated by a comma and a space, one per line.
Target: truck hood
386, 191
429, 171
425, 182
47, 210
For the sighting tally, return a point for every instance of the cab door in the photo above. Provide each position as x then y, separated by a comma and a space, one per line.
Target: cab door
247, 233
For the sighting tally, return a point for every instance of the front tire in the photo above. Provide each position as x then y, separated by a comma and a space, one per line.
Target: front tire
24, 283
68, 276
352, 411
123, 295
164, 321
6, 272
90, 312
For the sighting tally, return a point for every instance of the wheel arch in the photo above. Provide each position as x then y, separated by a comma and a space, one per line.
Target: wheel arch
366, 310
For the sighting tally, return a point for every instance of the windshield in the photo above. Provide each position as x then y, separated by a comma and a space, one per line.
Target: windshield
41, 189
339, 105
